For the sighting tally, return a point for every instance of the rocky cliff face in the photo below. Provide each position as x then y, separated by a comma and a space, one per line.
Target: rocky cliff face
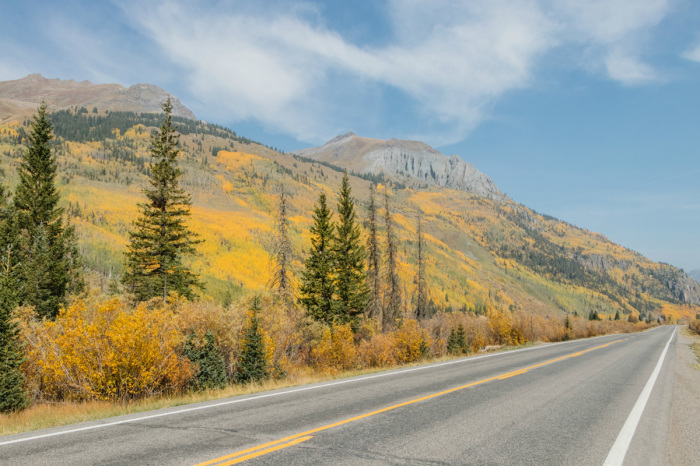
22, 95
412, 162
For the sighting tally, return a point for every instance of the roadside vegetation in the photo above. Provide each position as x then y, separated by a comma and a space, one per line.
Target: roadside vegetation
362, 300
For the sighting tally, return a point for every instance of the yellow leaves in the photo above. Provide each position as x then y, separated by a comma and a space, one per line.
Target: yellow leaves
103, 351
336, 351
235, 160
411, 341
226, 185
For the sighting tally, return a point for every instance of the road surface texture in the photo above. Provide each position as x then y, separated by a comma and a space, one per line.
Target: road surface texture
599, 401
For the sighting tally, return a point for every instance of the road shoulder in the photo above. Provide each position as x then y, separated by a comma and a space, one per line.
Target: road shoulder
682, 447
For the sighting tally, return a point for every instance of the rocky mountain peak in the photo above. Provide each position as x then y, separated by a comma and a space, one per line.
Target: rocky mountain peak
414, 163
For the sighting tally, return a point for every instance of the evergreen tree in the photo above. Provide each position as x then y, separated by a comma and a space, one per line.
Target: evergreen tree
281, 281
617, 315
317, 281
374, 281
12, 394
211, 369
421, 288
457, 342
567, 328
40, 226
350, 278
392, 305
160, 239
252, 365
10, 273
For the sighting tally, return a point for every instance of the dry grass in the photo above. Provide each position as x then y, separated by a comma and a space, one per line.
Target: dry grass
695, 346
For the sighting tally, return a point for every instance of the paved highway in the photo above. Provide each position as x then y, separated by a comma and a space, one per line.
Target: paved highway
601, 400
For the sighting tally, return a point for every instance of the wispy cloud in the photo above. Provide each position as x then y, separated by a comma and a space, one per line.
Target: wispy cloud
285, 68
693, 53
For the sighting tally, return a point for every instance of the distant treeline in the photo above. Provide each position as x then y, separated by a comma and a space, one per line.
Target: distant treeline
82, 126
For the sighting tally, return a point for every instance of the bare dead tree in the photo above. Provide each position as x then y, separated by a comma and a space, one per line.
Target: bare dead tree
392, 297
281, 279
421, 289
374, 281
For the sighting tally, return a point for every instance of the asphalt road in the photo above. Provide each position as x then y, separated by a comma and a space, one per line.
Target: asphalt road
562, 403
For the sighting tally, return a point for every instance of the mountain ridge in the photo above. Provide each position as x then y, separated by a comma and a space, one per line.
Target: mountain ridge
20, 96
413, 163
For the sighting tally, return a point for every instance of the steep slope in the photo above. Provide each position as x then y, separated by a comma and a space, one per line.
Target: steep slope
483, 252
24, 95
412, 163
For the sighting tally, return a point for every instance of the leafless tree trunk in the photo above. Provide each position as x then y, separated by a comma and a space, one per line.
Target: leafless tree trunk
421, 291
392, 305
281, 281
374, 282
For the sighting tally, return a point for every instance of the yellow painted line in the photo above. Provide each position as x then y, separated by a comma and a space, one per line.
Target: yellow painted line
288, 441
511, 374
267, 450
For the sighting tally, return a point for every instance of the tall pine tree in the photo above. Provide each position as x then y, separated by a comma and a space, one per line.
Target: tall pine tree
160, 239
40, 225
12, 394
374, 279
317, 281
350, 278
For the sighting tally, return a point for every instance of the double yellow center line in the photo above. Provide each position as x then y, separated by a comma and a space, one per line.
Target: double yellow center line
269, 447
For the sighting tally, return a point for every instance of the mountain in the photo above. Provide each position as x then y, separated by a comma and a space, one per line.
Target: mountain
695, 275
412, 163
22, 96
483, 250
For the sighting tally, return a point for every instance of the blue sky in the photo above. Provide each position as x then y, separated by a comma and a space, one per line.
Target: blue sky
585, 110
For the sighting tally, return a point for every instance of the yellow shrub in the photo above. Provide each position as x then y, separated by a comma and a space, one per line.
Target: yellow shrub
378, 351
103, 351
503, 330
336, 350
412, 342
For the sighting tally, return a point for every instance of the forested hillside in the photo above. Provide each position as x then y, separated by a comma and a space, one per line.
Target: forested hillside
479, 253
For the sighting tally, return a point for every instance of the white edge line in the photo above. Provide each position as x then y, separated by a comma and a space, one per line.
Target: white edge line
617, 453
296, 390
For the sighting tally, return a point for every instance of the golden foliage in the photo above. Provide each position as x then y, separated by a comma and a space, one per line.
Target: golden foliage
336, 351
100, 350
412, 342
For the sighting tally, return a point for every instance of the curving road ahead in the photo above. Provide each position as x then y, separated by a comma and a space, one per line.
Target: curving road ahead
601, 400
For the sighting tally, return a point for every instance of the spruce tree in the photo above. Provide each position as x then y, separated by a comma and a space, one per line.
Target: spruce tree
40, 225
457, 342
10, 273
252, 364
317, 281
350, 278
12, 394
392, 305
160, 239
211, 369
374, 280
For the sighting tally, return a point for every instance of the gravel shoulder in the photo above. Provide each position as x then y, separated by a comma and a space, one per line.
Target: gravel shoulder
683, 447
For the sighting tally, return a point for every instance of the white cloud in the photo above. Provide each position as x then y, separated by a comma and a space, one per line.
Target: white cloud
453, 59
693, 54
